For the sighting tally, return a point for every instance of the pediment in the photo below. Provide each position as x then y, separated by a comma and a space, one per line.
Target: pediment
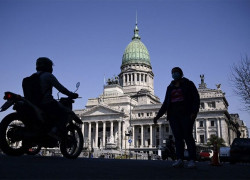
101, 110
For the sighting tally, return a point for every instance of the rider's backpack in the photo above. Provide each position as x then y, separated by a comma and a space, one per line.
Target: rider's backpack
32, 88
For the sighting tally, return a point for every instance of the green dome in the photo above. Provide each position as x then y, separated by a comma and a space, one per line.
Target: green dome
136, 51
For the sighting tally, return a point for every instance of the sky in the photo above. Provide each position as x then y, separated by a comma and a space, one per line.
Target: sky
87, 38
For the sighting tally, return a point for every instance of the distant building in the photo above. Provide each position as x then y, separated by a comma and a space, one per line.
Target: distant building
122, 117
213, 117
242, 128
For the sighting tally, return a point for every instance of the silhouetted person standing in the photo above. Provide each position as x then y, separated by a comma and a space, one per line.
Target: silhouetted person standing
181, 103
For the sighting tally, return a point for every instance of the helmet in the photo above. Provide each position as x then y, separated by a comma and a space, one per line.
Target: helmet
44, 64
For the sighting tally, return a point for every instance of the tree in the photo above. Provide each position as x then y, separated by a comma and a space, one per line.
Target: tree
213, 139
240, 78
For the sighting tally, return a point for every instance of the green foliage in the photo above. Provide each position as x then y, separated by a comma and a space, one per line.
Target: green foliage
215, 139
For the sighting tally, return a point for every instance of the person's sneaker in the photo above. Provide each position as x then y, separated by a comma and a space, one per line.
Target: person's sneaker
191, 164
178, 164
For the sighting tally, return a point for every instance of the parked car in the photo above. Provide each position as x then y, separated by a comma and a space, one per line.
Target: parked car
240, 150
224, 154
206, 154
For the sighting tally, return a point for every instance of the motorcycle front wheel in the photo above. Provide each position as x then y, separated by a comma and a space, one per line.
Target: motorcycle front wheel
71, 146
11, 128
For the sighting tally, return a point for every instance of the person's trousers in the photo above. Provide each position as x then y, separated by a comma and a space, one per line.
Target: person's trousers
182, 127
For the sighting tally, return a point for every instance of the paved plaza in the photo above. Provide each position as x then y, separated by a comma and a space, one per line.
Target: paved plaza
38, 167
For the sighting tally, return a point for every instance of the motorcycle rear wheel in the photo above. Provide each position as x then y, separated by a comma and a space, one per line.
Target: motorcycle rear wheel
9, 143
72, 145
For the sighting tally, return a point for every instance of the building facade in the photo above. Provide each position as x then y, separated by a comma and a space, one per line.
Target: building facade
122, 116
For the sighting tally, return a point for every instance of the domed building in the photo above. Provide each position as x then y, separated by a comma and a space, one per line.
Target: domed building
121, 118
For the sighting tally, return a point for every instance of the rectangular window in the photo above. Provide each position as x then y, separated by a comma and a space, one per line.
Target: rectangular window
211, 104
139, 115
148, 130
142, 77
145, 78
139, 130
202, 138
157, 129
212, 123
147, 114
201, 124
138, 77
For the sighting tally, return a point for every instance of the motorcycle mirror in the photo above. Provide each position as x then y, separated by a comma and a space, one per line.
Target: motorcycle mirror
77, 86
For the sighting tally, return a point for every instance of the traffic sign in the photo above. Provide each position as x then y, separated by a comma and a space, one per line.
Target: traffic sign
130, 141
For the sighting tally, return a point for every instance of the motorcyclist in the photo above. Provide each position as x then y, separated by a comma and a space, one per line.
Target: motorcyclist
57, 113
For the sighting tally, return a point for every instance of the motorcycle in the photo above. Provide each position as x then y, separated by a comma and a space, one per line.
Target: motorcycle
25, 132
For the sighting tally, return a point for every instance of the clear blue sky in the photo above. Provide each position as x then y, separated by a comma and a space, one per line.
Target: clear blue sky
86, 39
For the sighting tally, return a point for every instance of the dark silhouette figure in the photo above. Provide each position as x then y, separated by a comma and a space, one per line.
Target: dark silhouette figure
181, 103
56, 111
169, 150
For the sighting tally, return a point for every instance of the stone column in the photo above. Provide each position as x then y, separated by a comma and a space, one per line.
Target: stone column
206, 131
142, 139
119, 134
123, 77
151, 136
160, 135
123, 135
96, 134
104, 134
83, 129
111, 129
89, 136
133, 138
139, 78
218, 127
